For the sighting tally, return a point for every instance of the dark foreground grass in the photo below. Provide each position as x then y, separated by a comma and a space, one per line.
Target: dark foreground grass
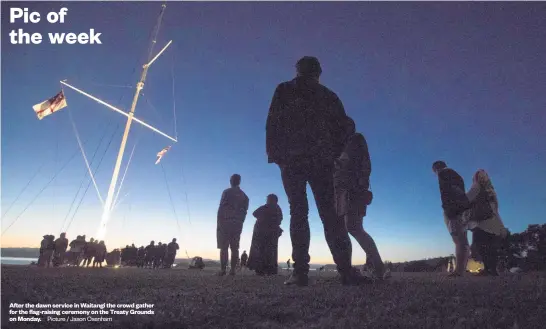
198, 299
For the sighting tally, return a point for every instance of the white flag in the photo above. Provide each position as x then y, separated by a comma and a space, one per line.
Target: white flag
161, 153
50, 106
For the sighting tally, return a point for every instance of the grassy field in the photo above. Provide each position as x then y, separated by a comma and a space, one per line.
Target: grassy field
199, 299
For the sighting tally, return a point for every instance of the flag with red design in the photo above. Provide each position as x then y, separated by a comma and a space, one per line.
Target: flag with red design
50, 106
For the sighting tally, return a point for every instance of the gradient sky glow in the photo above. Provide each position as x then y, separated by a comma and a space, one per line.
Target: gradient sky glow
458, 81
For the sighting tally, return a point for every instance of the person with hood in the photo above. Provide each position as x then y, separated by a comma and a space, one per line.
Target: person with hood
61, 244
172, 248
454, 204
100, 254
485, 222
230, 219
304, 134
353, 195
265, 239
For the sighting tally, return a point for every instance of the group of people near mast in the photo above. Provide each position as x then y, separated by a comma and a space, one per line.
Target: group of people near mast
313, 141
93, 253
81, 253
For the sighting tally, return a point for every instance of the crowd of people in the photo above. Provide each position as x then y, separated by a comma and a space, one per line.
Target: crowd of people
153, 256
94, 253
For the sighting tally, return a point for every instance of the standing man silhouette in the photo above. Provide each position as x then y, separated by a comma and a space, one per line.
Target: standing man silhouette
231, 216
304, 134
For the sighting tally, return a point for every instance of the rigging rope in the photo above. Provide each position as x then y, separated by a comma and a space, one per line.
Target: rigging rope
89, 181
174, 99
125, 173
83, 179
171, 198
41, 191
186, 193
85, 157
24, 189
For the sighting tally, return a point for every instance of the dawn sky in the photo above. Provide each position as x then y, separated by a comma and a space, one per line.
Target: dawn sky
462, 82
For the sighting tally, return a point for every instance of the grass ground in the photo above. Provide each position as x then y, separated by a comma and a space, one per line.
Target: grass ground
198, 299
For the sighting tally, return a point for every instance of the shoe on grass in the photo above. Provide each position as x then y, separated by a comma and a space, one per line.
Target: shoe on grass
354, 278
300, 280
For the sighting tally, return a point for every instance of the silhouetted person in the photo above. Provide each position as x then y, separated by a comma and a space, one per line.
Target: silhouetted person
485, 222
47, 247
304, 134
158, 255
100, 254
265, 238
172, 248
149, 258
231, 216
454, 203
89, 252
352, 184
244, 260
61, 244
288, 264
141, 256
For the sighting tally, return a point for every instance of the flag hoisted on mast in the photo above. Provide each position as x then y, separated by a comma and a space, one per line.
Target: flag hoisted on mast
161, 154
58, 102
52, 105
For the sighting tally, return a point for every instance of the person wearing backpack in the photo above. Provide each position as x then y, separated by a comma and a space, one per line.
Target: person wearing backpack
305, 132
488, 230
454, 203
353, 196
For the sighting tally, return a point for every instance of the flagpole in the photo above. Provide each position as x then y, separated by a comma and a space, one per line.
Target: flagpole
111, 191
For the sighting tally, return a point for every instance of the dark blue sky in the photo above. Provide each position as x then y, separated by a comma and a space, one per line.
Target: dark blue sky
459, 81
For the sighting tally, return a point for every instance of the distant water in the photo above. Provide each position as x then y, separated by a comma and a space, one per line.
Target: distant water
17, 260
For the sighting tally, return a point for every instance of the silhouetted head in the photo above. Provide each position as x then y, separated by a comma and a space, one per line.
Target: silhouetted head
52, 237
244, 251
438, 165
92, 240
83, 237
101, 242
235, 180
159, 243
309, 67
272, 199
63, 235
133, 245
152, 243
174, 239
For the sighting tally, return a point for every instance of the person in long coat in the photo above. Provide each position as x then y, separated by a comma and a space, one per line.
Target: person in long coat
263, 257
485, 222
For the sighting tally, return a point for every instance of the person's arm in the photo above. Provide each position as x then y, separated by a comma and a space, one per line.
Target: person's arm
339, 122
245, 207
260, 212
223, 200
472, 194
273, 147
